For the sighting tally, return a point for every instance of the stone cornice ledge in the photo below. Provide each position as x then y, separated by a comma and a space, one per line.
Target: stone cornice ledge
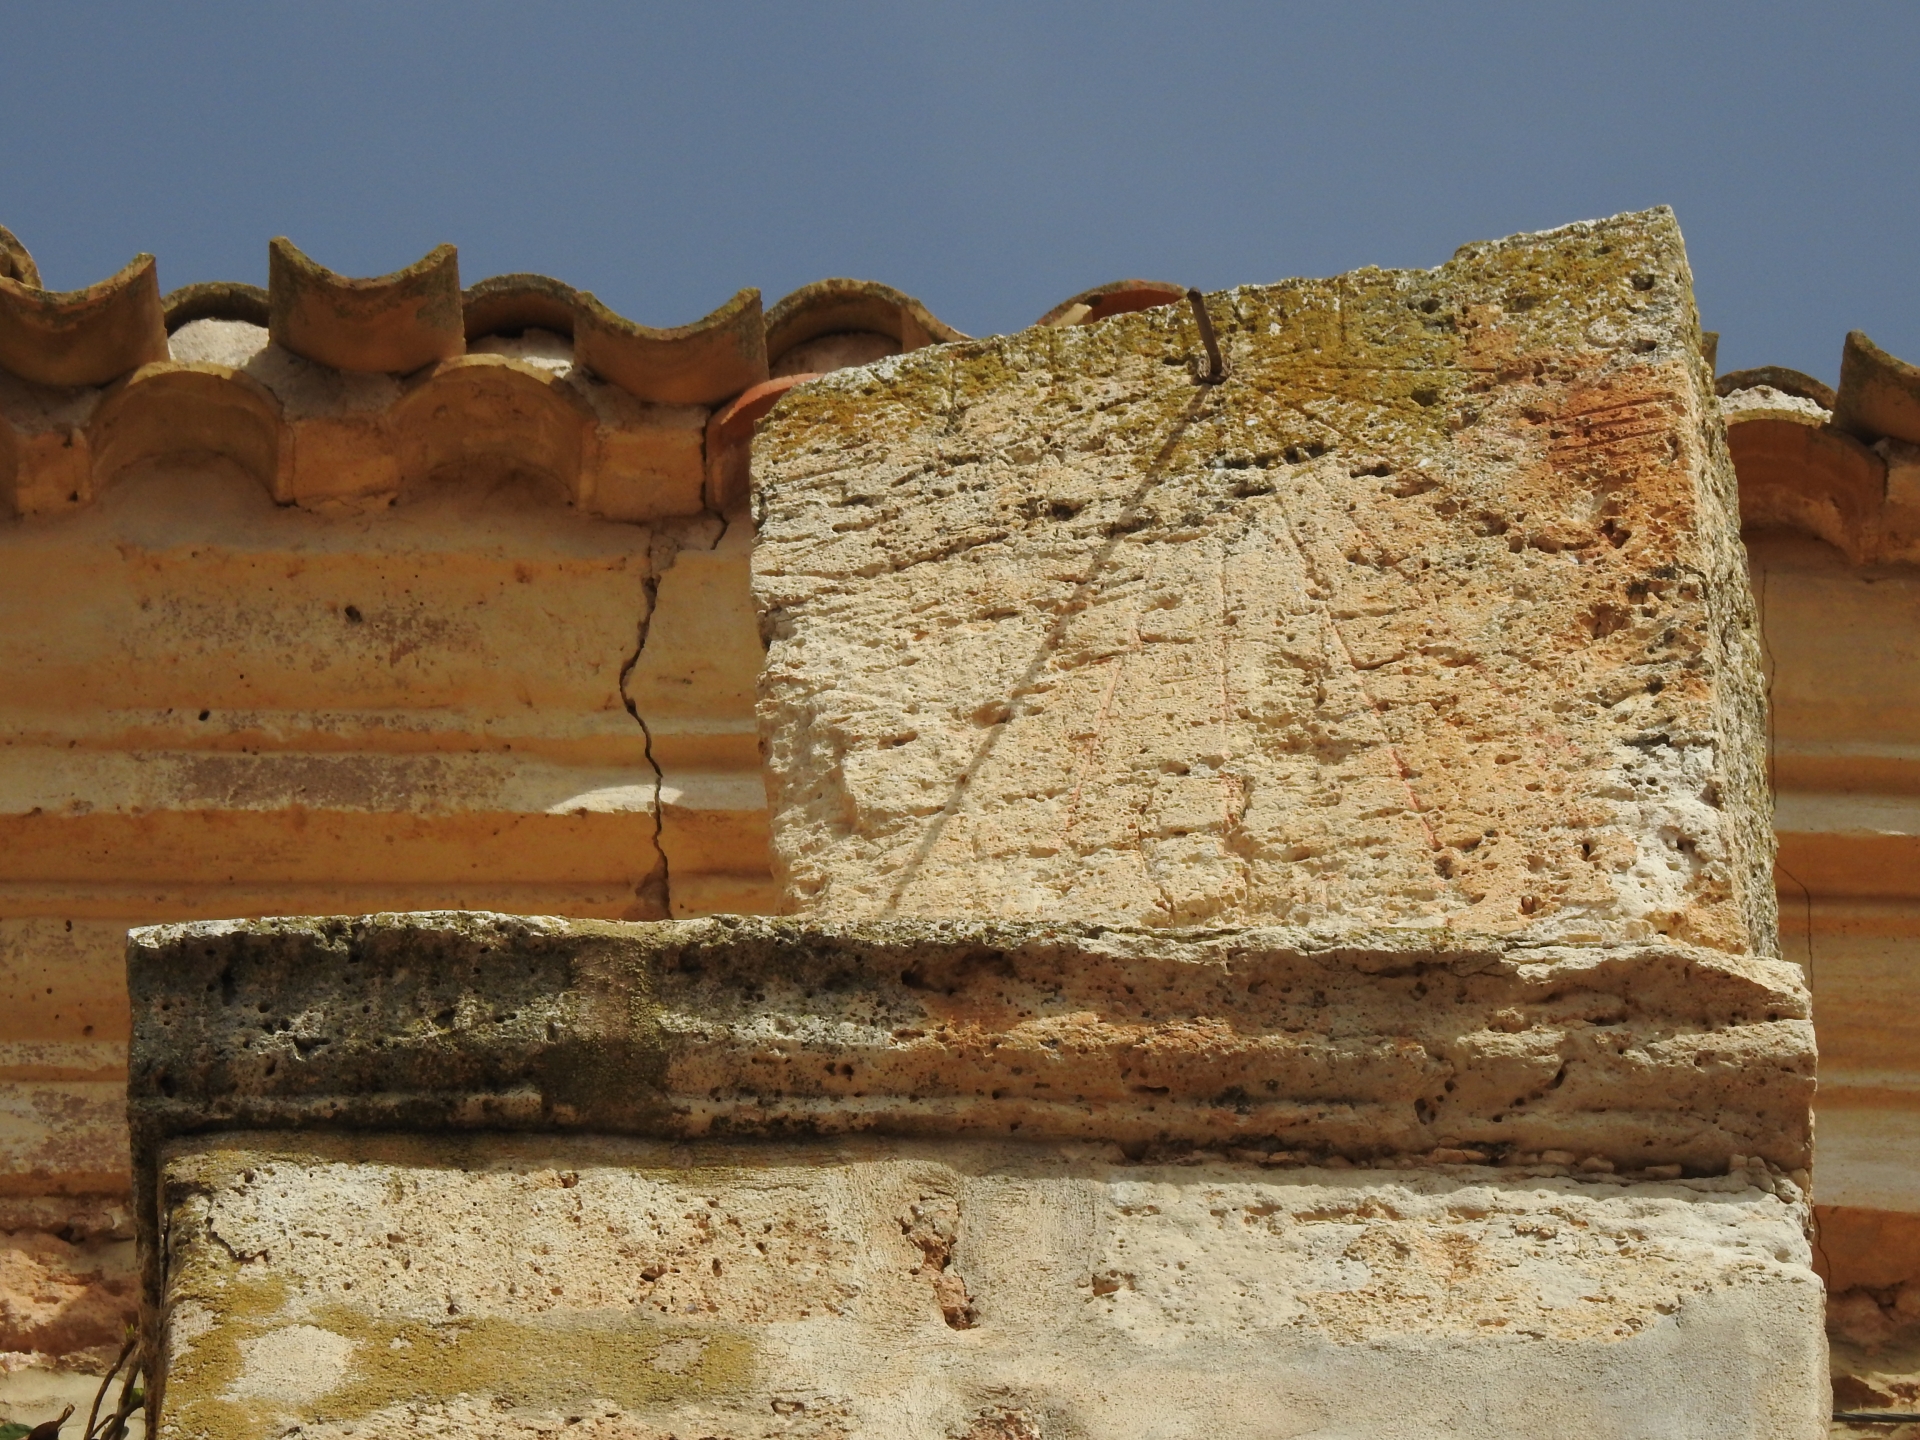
1267, 1042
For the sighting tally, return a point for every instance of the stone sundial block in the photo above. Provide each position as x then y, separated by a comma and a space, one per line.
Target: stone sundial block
1432, 615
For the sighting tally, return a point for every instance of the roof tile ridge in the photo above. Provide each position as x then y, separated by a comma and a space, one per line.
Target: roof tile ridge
703, 363
90, 336
836, 304
395, 323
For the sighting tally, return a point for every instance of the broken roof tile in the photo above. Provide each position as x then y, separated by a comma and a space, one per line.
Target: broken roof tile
730, 438
1117, 297
1879, 393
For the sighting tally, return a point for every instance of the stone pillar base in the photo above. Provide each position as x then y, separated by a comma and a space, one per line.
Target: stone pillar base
952, 1179
384, 1285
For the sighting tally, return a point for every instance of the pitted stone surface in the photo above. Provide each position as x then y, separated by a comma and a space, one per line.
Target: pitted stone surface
1264, 1040
868, 1288
1431, 615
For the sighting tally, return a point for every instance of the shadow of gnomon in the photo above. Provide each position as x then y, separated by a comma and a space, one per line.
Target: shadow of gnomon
1120, 530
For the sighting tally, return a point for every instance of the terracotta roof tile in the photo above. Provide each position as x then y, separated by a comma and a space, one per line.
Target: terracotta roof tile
1828, 480
730, 438
169, 408
1775, 377
15, 262
396, 323
1879, 394
704, 363
215, 300
629, 421
1118, 297
508, 304
842, 307
1817, 480
83, 337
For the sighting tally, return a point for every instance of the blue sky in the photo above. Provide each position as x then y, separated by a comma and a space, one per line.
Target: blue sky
991, 159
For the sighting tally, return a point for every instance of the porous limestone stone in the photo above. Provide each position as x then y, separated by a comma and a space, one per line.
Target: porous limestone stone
1258, 1040
383, 1286
1432, 614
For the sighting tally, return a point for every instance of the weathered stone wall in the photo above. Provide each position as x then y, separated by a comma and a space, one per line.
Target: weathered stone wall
1432, 614
982, 1290
348, 595
422, 706
217, 706
1259, 1041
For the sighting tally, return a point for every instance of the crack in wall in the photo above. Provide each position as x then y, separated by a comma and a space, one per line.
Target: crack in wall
656, 889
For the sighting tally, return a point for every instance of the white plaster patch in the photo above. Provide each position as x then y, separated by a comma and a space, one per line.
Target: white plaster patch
296, 1365
217, 342
1763, 402
533, 347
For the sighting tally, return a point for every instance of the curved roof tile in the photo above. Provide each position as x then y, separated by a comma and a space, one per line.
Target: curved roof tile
1799, 473
495, 413
1777, 377
828, 307
15, 262
1118, 297
395, 323
507, 303
169, 408
1813, 479
704, 363
215, 300
83, 337
730, 438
